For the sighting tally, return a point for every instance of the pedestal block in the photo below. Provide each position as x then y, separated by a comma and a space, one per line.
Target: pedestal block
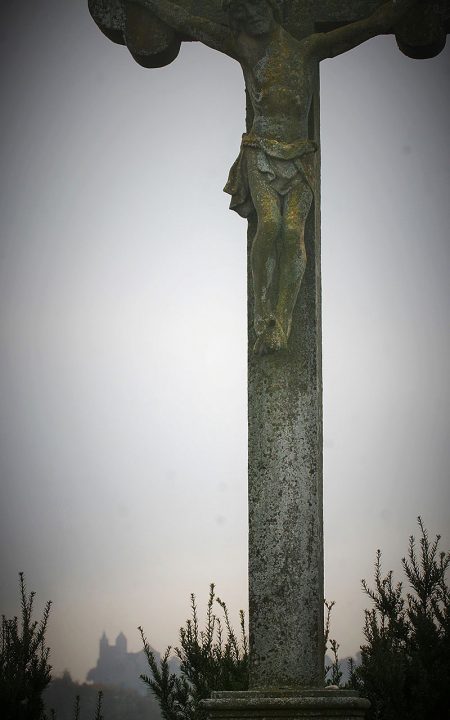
305, 704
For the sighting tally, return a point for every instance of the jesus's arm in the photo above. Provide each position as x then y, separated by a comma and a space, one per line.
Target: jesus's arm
381, 22
199, 28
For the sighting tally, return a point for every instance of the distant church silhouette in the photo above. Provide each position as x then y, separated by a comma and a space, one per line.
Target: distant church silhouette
116, 666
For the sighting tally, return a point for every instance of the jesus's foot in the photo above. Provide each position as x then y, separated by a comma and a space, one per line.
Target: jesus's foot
272, 339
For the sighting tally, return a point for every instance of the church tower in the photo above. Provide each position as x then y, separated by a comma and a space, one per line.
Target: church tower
104, 645
121, 644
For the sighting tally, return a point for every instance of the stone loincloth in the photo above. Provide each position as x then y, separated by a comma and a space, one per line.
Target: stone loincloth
283, 164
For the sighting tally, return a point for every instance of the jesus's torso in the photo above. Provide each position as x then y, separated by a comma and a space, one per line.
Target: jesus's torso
279, 75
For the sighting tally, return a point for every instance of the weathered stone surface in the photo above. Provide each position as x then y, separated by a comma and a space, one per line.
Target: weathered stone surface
285, 484
303, 18
319, 704
150, 41
423, 33
110, 18
423, 37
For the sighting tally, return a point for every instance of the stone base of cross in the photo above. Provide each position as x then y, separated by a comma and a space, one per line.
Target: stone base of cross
301, 704
286, 598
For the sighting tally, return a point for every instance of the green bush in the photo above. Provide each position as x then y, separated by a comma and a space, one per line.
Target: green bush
405, 661
24, 666
212, 659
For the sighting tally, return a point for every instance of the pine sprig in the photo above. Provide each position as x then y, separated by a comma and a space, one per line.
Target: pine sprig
210, 659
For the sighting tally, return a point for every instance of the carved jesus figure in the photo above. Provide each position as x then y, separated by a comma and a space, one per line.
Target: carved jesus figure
273, 175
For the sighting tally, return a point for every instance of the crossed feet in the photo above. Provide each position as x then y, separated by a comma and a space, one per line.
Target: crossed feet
271, 336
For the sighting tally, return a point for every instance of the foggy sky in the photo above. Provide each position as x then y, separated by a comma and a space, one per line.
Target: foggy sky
123, 326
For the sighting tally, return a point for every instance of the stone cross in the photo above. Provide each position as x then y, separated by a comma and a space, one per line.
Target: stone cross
275, 184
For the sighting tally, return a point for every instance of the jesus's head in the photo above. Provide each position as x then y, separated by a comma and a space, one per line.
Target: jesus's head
255, 17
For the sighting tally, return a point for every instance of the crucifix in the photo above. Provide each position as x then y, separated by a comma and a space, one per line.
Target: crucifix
275, 184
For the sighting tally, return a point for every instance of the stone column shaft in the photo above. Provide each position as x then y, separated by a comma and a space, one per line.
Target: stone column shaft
285, 486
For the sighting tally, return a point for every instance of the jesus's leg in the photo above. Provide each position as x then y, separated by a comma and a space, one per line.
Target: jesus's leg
292, 260
263, 256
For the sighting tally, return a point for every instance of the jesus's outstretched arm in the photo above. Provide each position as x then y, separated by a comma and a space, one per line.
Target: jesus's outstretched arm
199, 28
381, 22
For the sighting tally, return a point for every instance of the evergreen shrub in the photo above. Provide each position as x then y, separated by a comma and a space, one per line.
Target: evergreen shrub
24, 666
210, 659
405, 660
